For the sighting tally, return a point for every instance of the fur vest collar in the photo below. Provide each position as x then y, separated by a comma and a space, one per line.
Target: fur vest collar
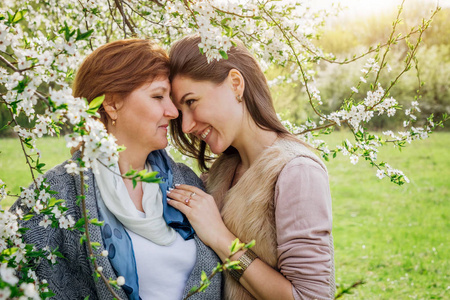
247, 208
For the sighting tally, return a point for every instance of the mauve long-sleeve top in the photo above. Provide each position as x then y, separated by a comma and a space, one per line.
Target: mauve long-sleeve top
303, 224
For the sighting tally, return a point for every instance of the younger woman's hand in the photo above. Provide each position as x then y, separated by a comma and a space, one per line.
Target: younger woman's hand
202, 212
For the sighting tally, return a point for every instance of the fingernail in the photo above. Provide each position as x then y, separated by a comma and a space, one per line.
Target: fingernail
177, 184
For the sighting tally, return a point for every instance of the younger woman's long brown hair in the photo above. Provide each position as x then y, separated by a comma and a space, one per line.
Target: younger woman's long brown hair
186, 60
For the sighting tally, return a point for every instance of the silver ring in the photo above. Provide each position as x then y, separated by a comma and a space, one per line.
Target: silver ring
192, 194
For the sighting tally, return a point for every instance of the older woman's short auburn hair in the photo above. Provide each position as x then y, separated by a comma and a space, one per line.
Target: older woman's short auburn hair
118, 68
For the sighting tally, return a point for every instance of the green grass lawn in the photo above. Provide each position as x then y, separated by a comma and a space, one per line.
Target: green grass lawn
13, 168
397, 239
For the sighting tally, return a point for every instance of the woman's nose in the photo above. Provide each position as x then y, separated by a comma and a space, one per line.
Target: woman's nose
171, 111
188, 123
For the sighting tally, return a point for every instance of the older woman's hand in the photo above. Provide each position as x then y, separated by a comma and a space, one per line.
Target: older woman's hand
202, 212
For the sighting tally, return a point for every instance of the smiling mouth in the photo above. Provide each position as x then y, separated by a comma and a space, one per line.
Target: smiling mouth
205, 133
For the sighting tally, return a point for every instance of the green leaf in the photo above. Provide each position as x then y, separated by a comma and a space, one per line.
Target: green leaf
83, 36
45, 295
10, 251
130, 173
234, 265
204, 286
96, 222
17, 17
149, 177
27, 217
22, 230
58, 254
4, 127
66, 30
53, 201
224, 21
193, 289
204, 277
224, 54
95, 245
95, 104
121, 148
79, 223
236, 246
250, 244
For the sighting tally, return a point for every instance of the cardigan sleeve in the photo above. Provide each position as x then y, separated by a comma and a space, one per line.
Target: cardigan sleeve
303, 225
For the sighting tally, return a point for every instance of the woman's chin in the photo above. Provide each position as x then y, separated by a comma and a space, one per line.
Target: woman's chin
158, 145
217, 149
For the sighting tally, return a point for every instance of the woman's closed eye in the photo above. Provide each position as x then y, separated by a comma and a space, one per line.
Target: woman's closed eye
158, 97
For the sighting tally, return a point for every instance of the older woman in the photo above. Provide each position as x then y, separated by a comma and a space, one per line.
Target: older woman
265, 184
149, 243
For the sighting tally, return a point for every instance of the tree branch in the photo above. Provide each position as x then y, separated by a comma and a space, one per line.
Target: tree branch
88, 240
124, 17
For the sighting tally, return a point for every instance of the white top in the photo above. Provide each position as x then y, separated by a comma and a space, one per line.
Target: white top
162, 270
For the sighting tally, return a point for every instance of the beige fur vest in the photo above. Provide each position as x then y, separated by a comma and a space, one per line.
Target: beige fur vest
248, 207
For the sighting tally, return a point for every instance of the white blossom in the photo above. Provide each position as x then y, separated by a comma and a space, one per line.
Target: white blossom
8, 274
120, 280
29, 290
3, 192
354, 159
380, 174
5, 292
71, 168
45, 222
52, 257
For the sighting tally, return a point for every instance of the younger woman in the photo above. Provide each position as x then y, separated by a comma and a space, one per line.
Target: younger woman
265, 184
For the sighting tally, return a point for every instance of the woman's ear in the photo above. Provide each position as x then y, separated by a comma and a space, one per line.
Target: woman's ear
237, 82
112, 105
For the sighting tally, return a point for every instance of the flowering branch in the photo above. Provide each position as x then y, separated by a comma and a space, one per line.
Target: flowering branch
97, 268
235, 247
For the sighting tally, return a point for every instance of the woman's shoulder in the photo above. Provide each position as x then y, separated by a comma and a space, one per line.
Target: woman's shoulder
59, 178
184, 174
299, 154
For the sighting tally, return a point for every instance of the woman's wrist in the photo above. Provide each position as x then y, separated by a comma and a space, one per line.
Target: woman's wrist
222, 248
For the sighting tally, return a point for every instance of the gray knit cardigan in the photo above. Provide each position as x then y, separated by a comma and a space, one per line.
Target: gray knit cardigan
72, 277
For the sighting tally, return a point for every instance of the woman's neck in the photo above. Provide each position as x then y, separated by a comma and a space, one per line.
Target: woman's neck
251, 142
132, 158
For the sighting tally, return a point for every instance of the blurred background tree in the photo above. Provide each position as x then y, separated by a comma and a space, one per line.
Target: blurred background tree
347, 35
